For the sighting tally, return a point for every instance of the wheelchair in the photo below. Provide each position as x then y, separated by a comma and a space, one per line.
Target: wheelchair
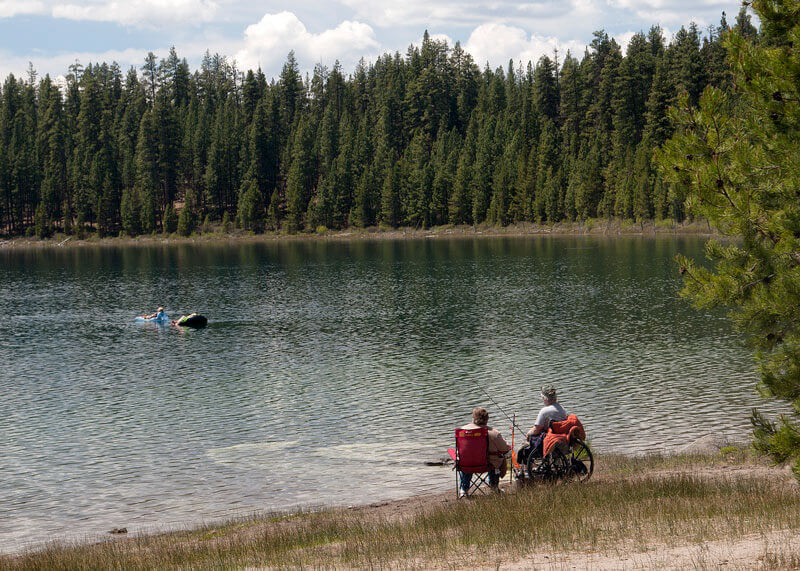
571, 462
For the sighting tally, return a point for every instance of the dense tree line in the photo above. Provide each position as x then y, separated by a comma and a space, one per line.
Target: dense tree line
419, 140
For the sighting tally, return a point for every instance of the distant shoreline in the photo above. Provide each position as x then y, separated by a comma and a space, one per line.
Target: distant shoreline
588, 228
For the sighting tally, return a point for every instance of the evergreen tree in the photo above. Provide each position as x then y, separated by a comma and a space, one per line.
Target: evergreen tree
54, 182
259, 181
146, 186
300, 179
390, 194
457, 144
738, 153
481, 180
460, 204
170, 220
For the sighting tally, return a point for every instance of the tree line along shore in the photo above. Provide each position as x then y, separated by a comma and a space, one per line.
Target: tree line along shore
213, 233
422, 139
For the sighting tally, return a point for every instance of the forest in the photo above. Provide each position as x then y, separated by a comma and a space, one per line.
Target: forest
418, 140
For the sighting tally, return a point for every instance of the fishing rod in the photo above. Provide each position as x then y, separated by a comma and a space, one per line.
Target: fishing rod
514, 422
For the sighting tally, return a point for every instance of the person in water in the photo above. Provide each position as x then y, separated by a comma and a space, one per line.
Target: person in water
159, 315
182, 319
497, 451
550, 412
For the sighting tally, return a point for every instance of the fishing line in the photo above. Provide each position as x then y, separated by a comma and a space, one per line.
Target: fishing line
497, 405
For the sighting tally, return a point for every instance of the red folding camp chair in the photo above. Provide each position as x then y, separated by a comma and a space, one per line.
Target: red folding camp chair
471, 456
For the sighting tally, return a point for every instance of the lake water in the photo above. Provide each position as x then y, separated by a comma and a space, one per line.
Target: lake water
331, 371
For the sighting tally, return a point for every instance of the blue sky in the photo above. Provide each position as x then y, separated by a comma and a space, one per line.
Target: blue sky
54, 33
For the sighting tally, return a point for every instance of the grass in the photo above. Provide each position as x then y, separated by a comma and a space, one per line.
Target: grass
662, 505
221, 233
728, 456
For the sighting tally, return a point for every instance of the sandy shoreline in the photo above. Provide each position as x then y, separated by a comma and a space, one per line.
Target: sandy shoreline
770, 546
595, 229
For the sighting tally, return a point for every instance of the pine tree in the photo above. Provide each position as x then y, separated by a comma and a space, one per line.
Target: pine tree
460, 204
547, 167
146, 186
170, 220
738, 153
130, 211
259, 181
481, 180
87, 145
291, 90
54, 183
390, 194
643, 182
300, 178
150, 72
187, 219
448, 124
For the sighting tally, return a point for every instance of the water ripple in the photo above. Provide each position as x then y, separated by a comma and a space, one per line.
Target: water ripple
329, 372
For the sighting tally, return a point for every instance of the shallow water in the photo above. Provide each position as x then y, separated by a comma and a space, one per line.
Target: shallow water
330, 372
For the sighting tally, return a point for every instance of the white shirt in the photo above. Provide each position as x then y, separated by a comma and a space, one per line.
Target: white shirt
551, 413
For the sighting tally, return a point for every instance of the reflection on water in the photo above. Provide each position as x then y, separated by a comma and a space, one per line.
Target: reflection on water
330, 371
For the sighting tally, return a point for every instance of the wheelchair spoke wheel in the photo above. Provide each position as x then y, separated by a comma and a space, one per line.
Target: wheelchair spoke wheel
581, 462
544, 469
560, 465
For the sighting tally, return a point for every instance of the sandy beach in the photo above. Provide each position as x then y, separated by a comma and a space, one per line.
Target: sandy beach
671, 512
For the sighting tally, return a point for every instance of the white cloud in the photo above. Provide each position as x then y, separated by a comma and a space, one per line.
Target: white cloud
624, 39
442, 38
497, 30
149, 13
674, 11
461, 12
267, 42
58, 63
11, 8
498, 43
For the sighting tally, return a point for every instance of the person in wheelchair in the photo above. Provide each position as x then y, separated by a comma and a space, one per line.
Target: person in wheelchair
549, 413
498, 448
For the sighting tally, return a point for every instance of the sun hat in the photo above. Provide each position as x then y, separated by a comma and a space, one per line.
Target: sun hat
549, 392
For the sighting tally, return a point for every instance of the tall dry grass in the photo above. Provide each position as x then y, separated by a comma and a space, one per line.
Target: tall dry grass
612, 513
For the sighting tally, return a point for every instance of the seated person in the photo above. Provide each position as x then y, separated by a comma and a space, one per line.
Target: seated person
550, 412
497, 451
157, 315
182, 319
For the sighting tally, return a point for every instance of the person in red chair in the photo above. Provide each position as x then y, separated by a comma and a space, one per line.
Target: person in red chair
498, 448
549, 413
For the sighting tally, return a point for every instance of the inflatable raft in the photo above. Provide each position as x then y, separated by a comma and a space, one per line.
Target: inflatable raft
164, 319
194, 320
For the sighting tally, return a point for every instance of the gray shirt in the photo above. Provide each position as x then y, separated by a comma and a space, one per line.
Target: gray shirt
551, 413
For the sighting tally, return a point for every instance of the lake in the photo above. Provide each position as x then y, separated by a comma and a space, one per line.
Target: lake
331, 371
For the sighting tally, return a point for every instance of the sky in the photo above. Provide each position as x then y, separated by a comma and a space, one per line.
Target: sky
52, 34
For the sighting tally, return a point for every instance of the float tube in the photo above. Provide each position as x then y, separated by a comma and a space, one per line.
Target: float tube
193, 320
142, 318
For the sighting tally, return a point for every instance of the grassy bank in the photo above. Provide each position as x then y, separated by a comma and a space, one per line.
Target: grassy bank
214, 233
633, 506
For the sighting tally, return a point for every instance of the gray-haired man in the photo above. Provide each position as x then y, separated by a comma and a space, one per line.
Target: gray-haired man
550, 412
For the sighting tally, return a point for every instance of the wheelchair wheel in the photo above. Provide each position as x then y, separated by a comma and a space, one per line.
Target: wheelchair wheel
547, 469
580, 462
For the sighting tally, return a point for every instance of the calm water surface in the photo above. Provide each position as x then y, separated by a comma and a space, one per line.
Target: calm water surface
330, 372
